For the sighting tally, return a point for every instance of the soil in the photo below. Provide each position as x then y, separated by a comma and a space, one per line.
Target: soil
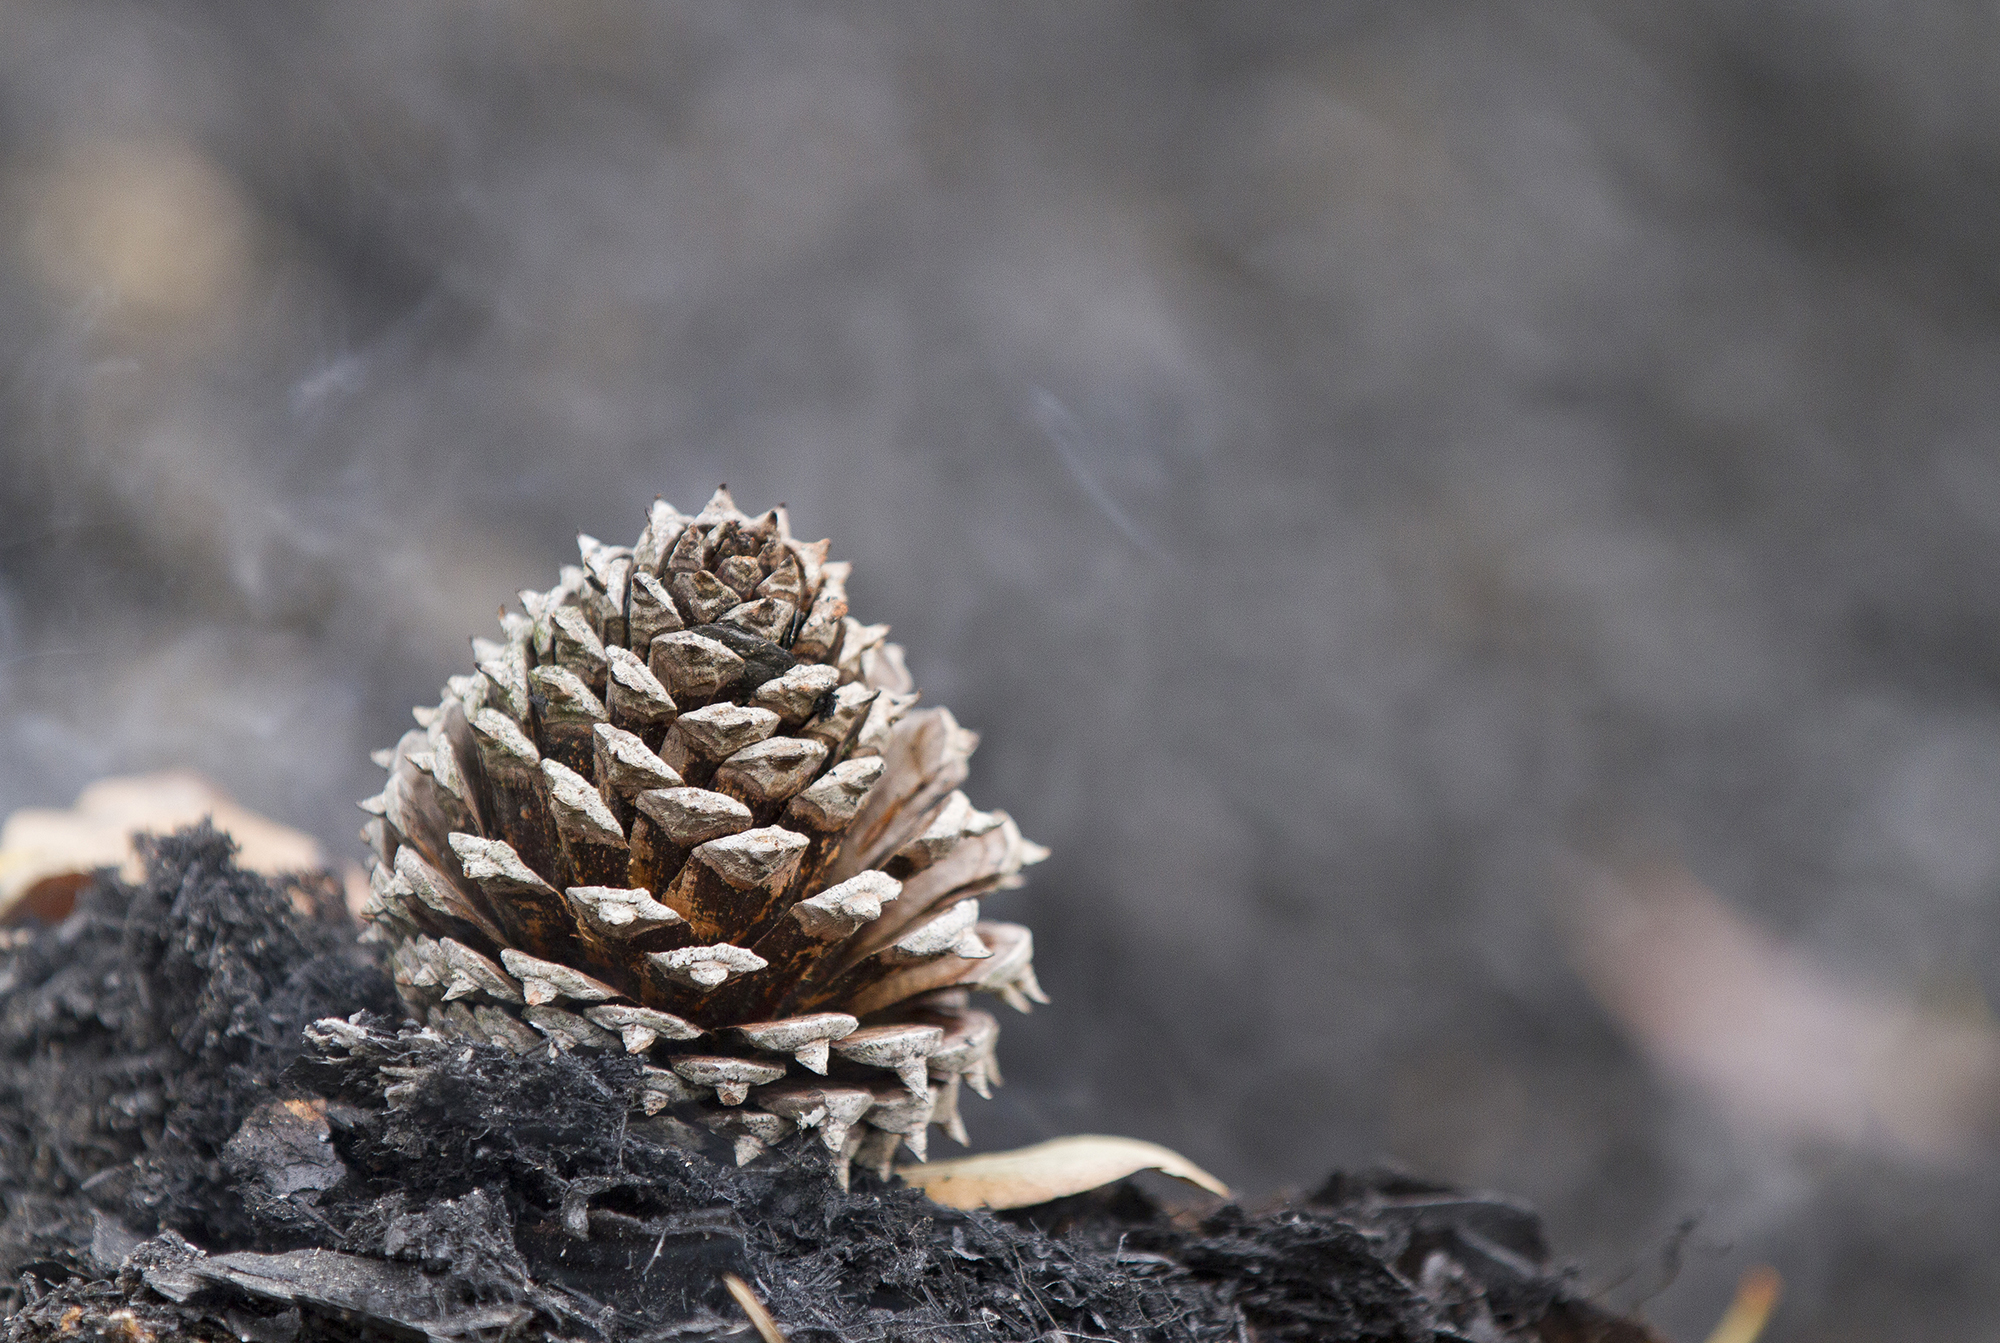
215, 1124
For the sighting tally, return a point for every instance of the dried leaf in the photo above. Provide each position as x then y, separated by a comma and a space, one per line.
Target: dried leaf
46, 854
1050, 1170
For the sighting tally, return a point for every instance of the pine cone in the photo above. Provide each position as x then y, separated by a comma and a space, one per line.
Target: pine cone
684, 809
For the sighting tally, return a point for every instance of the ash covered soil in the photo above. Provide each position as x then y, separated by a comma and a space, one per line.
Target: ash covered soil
215, 1124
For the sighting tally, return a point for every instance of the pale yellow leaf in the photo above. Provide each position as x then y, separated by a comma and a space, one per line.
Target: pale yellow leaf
1050, 1170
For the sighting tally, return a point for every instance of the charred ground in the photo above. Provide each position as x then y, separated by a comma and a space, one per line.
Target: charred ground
214, 1123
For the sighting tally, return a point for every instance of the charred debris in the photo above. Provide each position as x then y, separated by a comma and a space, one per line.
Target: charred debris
215, 1123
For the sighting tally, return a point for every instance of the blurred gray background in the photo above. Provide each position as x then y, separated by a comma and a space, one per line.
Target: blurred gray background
1470, 529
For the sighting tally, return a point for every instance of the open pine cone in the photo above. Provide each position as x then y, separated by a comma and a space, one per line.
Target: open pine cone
684, 809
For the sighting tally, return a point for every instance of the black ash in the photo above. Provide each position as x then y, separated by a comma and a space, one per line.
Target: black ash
214, 1124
